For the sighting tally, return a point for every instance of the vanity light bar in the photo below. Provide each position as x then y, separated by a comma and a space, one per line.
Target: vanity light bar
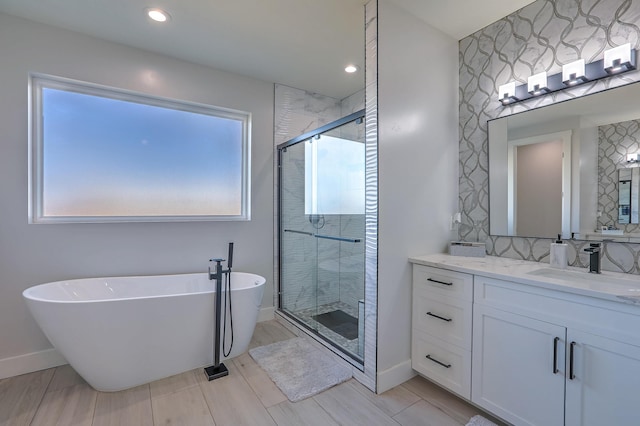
616, 61
537, 84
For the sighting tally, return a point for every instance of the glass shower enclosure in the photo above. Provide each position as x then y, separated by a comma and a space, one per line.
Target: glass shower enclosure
322, 233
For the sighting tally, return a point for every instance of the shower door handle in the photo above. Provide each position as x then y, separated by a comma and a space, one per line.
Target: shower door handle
331, 237
293, 231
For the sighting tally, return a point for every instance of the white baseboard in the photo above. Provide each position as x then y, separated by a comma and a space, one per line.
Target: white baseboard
28, 363
266, 314
394, 376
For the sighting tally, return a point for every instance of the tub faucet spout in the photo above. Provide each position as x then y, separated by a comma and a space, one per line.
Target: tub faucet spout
219, 272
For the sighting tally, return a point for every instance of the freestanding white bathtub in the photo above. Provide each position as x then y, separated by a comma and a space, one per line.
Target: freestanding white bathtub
122, 332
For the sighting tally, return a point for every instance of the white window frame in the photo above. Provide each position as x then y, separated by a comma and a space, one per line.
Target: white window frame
36, 144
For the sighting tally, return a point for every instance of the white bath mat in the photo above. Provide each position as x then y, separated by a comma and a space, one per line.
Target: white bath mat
298, 368
480, 421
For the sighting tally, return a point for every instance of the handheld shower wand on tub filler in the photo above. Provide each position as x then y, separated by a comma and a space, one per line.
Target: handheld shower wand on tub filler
218, 369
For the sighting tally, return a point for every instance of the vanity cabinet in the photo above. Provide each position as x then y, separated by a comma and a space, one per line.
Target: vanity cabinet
530, 351
515, 373
604, 386
542, 357
441, 327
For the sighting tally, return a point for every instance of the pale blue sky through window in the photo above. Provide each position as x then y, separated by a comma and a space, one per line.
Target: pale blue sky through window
107, 157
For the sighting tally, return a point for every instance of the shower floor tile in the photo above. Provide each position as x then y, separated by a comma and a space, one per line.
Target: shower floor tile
340, 322
307, 316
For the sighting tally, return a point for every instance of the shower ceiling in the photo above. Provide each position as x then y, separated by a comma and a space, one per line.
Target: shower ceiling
301, 43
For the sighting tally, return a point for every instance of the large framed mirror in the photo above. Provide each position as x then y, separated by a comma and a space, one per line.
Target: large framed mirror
570, 168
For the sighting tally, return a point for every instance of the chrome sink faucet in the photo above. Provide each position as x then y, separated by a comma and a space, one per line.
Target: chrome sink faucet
594, 257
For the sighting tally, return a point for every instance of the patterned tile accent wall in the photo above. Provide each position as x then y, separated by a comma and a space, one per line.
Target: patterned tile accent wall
615, 141
619, 257
539, 37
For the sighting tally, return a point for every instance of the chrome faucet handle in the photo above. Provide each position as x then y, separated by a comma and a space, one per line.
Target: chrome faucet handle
216, 260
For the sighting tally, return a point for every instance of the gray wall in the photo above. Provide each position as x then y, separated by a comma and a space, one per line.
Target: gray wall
542, 36
34, 254
417, 169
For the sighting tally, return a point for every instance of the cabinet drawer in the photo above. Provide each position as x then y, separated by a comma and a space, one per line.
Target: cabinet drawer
445, 364
605, 318
445, 318
444, 282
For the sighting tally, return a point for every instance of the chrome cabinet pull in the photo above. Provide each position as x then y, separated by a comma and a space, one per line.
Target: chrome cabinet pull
439, 282
555, 355
439, 317
571, 374
438, 362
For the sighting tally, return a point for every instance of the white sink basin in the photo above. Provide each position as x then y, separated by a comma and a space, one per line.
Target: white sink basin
607, 281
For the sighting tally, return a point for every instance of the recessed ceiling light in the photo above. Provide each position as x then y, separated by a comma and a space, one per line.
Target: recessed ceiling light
351, 68
158, 15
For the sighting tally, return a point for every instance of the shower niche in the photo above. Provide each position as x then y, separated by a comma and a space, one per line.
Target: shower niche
321, 223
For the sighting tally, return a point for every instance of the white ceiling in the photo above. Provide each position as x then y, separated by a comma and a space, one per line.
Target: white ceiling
300, 43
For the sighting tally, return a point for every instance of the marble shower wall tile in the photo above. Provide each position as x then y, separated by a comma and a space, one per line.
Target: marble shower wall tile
352, 103
539, 37
298, 111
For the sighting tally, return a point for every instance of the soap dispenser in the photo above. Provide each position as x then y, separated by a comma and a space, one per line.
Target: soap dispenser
558, 254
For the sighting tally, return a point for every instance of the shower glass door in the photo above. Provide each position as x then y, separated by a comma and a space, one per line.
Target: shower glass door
321, 232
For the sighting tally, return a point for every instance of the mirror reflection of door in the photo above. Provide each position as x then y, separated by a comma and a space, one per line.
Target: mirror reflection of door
624, 196
538, 184
629, 195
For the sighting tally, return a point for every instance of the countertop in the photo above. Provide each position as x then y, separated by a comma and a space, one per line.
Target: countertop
613, 286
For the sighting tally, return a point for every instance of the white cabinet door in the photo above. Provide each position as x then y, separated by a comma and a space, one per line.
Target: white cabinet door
604, 387
515, 374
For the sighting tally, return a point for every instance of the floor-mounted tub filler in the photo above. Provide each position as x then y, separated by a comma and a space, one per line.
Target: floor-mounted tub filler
122, 332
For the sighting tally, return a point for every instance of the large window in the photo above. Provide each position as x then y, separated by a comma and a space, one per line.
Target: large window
102, 155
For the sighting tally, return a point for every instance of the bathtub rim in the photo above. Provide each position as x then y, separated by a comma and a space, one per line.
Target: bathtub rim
27, 293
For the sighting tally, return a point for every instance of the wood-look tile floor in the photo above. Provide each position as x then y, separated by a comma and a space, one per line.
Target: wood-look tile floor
58, 396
